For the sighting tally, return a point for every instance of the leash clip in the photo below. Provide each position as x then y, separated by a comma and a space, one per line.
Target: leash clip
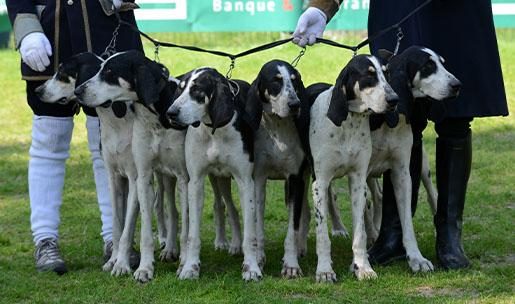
231, 67
400, 35
297, 59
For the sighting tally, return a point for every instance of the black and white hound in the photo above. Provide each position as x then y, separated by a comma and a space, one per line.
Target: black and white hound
116, 137
340, 142
279, 154
131, 76
416, 75
220, 142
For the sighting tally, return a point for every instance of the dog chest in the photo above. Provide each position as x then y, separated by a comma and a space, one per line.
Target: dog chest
278, 149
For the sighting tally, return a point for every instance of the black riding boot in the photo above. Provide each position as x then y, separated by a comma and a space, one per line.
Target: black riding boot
453, 159
389, 247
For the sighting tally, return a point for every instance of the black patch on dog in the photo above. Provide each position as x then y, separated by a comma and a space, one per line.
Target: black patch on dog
401, 72
356, 71
119, 109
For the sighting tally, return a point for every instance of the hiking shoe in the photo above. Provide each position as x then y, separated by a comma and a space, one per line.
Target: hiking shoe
134, 256
48, 257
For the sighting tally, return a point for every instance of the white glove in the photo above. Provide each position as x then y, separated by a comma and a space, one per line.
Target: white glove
117, 4
35, 50
311, 25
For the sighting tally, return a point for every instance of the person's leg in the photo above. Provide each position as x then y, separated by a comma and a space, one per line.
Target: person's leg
453, 160
101, 178
52, 128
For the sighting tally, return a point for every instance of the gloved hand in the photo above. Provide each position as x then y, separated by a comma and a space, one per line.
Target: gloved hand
117, 4
310, 26
35, 50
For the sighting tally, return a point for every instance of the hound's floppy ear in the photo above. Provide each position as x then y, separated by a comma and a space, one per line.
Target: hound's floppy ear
384, 55
147, 84
221, 106
400, 81
253, 105
339, 106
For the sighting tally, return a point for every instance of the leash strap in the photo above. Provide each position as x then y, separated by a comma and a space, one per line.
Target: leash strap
111, 48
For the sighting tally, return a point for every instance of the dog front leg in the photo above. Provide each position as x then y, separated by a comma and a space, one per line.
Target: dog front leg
251, 270
117, 188
324, 272
224, 184
260, 183
303, 231
145, 271
160, 213
294, 196
358, 190
191, 268
123, 264
401, 181
182, 186
170, 252
219, 215
338, 227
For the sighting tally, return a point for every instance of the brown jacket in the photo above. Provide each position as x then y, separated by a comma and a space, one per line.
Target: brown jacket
329, 7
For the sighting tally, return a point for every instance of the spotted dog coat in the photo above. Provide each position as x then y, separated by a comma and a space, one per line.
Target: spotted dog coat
415, 74
340, 143
221, 142
116, 137
130, 76
280, 155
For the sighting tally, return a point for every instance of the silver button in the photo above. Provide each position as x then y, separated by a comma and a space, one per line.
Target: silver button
70, 2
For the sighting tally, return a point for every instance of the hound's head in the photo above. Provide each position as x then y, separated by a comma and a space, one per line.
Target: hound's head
204, 95
124, 76
279, 88
71, 73
425, 72
361, 87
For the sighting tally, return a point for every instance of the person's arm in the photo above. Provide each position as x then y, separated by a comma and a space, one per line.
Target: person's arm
121, 5
29, 37
313, 21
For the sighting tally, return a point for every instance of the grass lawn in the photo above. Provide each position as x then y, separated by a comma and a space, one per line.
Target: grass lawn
488, 222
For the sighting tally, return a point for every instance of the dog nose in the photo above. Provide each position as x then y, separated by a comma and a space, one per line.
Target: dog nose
294, 105
79, 90
456, 86
392, 99
173, 113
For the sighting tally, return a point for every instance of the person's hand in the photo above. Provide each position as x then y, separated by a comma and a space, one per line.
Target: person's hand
35, 50
310, 26
117, 4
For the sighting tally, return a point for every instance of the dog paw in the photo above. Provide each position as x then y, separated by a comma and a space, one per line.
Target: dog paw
190, 272
291, 272
121, 268
251, 273
420, 264
234, 249
221, 245
363, 272
340, 233
108, 266
169, 255
144, 275
326, 277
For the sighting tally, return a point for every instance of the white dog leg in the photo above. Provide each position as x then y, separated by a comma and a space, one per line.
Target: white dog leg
170, 251
219, 215
160, 212
338, 227
260, 183
251, 270
224, 184
360, 265
401, 181
145, 271
291, 268
324, 272
191, 268
182, 187
432, 194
